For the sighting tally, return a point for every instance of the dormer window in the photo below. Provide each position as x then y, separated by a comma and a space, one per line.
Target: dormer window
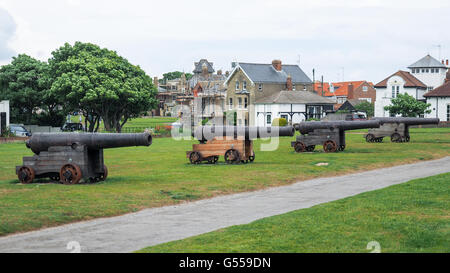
237, 85
260, 87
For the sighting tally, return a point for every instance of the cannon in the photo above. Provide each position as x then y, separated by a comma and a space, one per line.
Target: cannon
70, 157
329, 134
234, 143
397, 128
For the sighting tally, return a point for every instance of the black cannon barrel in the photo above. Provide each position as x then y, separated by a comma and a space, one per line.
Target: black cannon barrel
407, 121
204, 133
42, 141
309, 126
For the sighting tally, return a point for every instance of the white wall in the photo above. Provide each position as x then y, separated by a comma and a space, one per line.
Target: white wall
438, 108
431, 79
4, 107
384, 95
274, 109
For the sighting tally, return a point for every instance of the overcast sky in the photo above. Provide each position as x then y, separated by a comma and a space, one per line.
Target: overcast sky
351, 39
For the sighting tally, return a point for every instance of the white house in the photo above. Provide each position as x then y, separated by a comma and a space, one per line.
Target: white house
439, 98
294, 106
429, 71
424, 75
4, 114
401, 82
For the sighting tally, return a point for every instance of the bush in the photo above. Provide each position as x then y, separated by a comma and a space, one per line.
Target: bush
279, 122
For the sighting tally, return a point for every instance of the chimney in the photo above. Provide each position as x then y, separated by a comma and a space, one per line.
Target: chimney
446, 62
350, 94
289, 83
442, 61
277, 65
155, 82
227, 73
219, 72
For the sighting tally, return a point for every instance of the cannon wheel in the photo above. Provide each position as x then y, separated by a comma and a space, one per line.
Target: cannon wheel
70, 174
103, 176
26, 175
330, 146
370, 138
299, 147
195, 158
395, 137
232, 156
379, 139
310, 148
252, 157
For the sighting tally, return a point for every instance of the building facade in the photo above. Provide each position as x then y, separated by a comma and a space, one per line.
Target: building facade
343, 91
439, 98
424, 75
250, 82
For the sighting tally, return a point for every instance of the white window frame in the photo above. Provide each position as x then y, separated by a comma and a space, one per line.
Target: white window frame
237, 85
240, 103
269, 118
244, 85
230, 101
365, 88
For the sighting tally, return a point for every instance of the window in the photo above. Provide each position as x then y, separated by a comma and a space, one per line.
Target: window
260, 86
240, 103
245, 103
426, 70
239, 121
423, 70
437, 70
237, 85
231, 103
430, 88
413, 70
365, 88
398, 91
393, 91
269, 118
448, 112
285, 117
244, 85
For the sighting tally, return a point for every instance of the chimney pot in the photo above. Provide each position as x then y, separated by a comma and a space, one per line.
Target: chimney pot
289, 83
442, 61
277, 65
446, 62
219, 72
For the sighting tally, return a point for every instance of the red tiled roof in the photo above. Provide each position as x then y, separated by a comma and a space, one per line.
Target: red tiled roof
340, 88
410, 80
441, 91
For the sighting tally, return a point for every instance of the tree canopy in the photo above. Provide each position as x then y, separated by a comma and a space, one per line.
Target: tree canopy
367, 107
100, 83
175, 75
25, 82
407, 106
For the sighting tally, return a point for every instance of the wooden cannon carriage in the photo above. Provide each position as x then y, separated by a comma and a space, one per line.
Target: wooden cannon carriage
329, 134
70, 157
397, 128
235, 144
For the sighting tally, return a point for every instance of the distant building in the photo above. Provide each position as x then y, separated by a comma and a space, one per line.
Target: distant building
401, 82
343, 91
425, 75
4, 115
439, 98
249, 83
429, 71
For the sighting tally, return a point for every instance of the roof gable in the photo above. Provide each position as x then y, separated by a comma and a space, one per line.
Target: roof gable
426, 62
266, 73
199, 65
294, 97
410, 80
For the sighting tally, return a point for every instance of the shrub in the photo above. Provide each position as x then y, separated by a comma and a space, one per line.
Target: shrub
279, 122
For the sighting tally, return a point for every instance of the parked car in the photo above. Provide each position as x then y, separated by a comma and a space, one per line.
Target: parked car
19, 130
356, 116
71, 127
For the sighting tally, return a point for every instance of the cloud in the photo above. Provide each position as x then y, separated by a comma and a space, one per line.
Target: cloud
7, 31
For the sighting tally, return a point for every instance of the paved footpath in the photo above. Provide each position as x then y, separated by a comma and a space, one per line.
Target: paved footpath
158, 225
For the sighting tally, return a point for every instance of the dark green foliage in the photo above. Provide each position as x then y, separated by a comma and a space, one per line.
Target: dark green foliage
407, 106
367, 107
175, 75
25, 82
100, 83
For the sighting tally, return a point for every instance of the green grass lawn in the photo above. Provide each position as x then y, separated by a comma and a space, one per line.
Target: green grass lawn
147, 122
410, 217
142, 177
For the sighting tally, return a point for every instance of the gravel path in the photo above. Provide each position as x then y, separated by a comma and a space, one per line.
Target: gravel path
158, 225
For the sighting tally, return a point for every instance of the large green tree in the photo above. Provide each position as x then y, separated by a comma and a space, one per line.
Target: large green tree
24, 83
101, 84
407, 106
